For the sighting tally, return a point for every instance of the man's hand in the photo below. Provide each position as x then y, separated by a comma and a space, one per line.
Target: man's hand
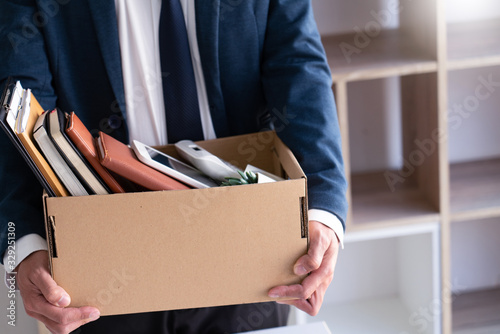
44, 300
320, 262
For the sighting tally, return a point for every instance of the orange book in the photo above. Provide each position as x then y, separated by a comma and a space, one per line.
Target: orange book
84, 142
26, 138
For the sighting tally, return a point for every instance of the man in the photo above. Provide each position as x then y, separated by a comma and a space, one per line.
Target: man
256, 64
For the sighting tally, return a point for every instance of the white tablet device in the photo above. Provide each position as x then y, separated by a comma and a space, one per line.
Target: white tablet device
171, 166
205, 161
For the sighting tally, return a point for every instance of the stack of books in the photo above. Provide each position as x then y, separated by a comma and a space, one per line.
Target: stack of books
69, 161
65, 157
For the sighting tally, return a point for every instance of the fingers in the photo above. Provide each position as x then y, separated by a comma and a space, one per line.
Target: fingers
57, 319
53, 293
38, 275
312, 305
321, 238
61, 328
310, 284
46, 301
320, 263
60, 315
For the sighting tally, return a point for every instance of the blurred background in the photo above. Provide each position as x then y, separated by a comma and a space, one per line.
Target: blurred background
417, 88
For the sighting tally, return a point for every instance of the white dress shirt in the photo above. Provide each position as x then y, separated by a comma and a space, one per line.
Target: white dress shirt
138, 24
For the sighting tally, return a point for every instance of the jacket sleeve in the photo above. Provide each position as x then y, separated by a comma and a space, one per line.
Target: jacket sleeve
297, 85
23, 56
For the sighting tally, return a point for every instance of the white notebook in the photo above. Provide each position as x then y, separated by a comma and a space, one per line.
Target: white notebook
65, 148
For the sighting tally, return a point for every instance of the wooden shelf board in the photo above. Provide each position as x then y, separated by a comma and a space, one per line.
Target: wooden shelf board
375, 205
473, 62
474, 311
475, 214
473, 44
388, 54
384, 315
475, 190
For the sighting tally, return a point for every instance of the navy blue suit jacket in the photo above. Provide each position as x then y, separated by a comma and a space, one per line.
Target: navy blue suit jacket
262, 60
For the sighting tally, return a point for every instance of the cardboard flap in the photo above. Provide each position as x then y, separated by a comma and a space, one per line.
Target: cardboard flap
288, 160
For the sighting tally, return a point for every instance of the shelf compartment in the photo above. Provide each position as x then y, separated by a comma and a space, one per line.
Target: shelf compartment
382, 281
388, 54
473, 44
475, 190
475, 274
477, 312
375, 203
394, 173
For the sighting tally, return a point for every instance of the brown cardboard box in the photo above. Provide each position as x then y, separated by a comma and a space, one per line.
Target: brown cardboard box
151, 251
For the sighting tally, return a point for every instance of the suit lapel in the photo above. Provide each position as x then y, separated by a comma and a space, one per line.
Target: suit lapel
207, 31
104, 17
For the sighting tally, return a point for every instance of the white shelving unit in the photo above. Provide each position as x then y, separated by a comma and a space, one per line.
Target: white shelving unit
399, 68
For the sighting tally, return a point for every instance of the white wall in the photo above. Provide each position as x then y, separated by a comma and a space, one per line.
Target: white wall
473, 123
375, 129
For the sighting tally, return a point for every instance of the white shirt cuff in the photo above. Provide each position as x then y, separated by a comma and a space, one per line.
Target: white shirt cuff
330, 220
24, 246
